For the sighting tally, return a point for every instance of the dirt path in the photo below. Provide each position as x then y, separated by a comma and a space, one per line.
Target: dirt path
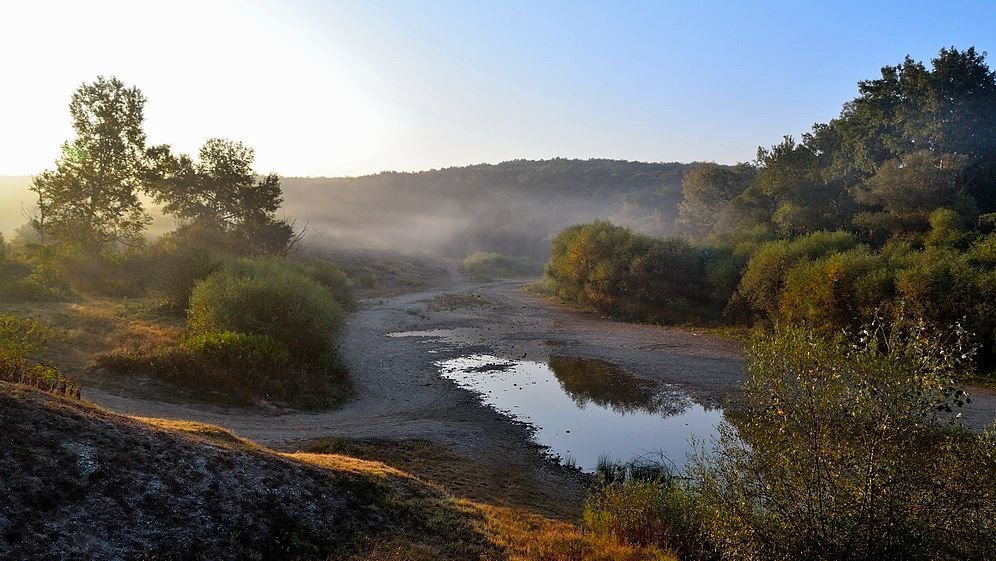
401, 396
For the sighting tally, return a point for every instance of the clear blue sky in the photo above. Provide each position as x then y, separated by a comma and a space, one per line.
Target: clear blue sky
332, 88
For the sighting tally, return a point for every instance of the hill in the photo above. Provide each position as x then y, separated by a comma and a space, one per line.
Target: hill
80, 482
513, 207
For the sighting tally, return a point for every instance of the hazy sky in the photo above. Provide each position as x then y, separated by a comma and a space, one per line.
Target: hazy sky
346, 88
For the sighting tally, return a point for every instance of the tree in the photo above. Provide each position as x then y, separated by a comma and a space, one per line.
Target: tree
845, 449
222, 191
706, 191
90, 199
901, 195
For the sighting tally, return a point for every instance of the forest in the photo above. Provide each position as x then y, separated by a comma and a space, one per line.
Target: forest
888, 209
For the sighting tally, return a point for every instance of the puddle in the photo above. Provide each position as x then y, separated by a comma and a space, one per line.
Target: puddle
455, 336
585, 409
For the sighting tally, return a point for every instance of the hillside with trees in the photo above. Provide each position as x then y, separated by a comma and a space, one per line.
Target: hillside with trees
513, 208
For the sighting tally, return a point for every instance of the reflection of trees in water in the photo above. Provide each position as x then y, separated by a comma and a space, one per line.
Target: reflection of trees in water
595, 381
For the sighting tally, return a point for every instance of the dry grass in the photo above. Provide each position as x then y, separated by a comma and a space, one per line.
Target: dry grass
84, 329
207, 433
525, 536
495, 480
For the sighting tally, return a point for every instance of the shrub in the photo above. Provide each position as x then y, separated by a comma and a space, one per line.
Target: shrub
610, 269
269, 298
649, 508
249, 356
20, 340
177, 268
486, 265
764, 278
333, 278
18, 284
244, 367
845, 450
842, 290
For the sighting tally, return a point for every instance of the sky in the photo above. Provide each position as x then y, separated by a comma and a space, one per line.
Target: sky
330, 88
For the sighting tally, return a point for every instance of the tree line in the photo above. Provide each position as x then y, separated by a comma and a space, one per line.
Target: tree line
889, 207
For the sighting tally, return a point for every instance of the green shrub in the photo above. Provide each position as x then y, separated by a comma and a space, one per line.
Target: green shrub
488, 265
18, 284
250, 356
243, 367
331, 277
177, 269
845, 450
651, 509
20, 340
764, 278
610, 269
270, 298
843, 290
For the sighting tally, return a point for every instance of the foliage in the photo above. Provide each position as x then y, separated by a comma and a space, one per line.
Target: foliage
330, 276
243, 367
764, 278
846, 451
610, 269
706, 191
490, 265
20, 340
649, 508
90, 199
272, 298
221, 191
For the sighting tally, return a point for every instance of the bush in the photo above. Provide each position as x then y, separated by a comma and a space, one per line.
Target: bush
20, 340
846, 450
610, 269
488, 265
843, 290
177, 268
764, 278
244, 367
333, 278
18, 284
270, 298
649, 508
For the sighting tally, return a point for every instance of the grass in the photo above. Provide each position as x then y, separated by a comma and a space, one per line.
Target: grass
176, 487
90, 327
525, 536
505, 483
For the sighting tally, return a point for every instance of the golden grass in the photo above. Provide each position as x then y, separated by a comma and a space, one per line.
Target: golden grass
348, 464
87, 328
490, 480
525, 536
208, 433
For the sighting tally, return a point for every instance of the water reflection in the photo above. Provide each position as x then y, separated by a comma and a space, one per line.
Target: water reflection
589, 380
586, 409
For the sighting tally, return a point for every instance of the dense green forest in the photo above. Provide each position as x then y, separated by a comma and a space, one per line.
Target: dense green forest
887, 208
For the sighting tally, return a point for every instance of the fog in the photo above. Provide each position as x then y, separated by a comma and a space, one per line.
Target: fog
515, 208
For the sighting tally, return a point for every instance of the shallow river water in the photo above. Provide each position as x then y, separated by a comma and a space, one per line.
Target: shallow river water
585, 410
